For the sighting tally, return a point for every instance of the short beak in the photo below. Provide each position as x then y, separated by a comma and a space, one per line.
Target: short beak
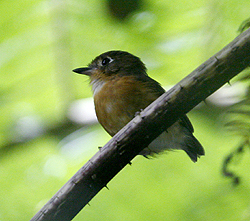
86, 71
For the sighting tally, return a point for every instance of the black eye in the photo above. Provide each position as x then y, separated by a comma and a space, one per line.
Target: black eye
105, 61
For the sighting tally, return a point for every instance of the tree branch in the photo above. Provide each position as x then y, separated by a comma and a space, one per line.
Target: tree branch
144, 128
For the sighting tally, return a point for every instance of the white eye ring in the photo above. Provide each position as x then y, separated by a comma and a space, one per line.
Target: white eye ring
106, 61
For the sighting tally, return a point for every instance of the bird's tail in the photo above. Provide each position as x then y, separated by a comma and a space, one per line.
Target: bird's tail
193, 148
178, 136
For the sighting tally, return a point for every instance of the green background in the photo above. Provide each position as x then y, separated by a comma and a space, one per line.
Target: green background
40, 149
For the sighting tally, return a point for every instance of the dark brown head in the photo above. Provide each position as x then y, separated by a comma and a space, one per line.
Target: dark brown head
112, 63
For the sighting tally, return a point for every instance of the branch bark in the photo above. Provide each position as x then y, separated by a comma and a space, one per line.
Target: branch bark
145, 127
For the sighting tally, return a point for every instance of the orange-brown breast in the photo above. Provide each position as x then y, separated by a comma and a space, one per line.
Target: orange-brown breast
118, 100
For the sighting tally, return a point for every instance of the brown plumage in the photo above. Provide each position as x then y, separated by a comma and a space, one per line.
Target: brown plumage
121, 87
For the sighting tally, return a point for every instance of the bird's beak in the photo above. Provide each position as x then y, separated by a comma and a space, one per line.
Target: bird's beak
86, 71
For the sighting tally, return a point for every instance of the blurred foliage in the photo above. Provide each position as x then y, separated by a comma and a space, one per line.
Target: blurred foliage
245, 25
238, 123
40, 148
122, 9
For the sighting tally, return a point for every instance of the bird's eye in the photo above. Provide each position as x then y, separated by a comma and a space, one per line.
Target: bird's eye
105, 61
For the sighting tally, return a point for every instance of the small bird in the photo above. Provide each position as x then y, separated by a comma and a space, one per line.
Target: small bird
121, 88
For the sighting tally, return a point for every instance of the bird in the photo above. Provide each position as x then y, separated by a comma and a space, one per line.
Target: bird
121, 88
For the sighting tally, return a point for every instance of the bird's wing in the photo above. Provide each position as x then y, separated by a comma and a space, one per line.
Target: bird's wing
157, 90
186, 123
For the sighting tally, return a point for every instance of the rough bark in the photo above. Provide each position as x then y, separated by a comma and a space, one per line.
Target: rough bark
145, 127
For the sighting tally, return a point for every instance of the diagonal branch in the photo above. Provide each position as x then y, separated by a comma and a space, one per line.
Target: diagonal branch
144, 128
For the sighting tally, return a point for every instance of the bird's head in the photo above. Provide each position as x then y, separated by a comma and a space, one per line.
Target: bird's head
111, 64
